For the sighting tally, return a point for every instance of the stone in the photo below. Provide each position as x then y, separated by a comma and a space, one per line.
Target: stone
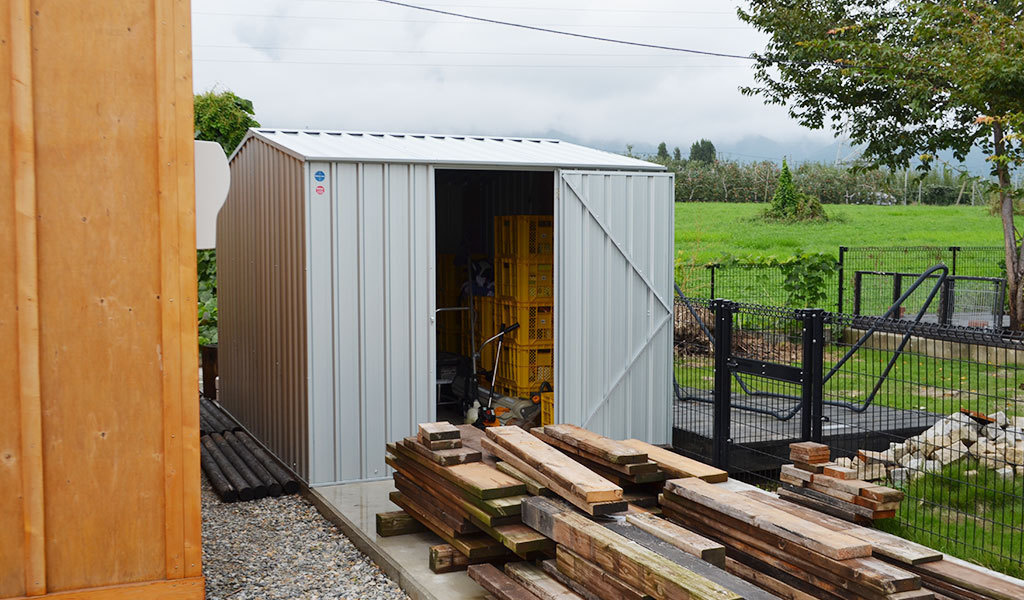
1019, 471
953, 422
898, 451
1012, 435
899, 476
971, 473
1017, 422
931, 466
989, 461
1005, 472
992, 431
1015, 455
969, 433
874, 456
914, 464
983, 447
999, 418
951, 454
871, 472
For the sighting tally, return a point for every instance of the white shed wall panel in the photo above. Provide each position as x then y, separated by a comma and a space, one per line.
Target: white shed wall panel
613, 298
371, 325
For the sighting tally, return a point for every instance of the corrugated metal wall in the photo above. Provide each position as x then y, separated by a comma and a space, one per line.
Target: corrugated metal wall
613, 298
261, 261
371, 285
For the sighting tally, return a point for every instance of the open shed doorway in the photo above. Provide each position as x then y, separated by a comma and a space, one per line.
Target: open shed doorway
495, 269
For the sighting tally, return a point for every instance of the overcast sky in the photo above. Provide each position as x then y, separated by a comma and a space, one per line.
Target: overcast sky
365, 65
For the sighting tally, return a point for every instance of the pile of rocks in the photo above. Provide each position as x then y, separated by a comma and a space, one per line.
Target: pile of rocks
996, 440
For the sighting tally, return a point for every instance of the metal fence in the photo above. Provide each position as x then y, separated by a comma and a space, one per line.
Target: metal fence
751, 379
963, 300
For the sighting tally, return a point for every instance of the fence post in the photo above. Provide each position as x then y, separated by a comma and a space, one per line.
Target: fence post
712, 267
858, 278
812, 396
954, 250
946, 301
897, 290
721, 432
1000, 304
842, 276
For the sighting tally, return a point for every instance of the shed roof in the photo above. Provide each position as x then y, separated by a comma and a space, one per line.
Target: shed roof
466, 150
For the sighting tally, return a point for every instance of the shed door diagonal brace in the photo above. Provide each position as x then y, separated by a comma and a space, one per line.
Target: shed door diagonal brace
618, 244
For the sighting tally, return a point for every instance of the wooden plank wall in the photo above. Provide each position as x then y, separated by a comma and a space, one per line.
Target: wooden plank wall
99, 452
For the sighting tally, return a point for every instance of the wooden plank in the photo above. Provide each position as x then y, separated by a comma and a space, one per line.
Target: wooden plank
633, 564
28, 410
596, 463
676, 465
550, 567
809, 452
853, 487
618, 478
496, 509
796, 473
442, 430
881, 493
686, 560
559, 468
832, 492
539, 583
442, 444
838, 507
498, 584
471, 437
810, 468
593, 508
473, 546
972, 578
445, 458
444, 558
189, 588
681, 538
440, 507
840, 472
533, 487
597, 445
476, 478
598, 581
765, 582
882, 543
870, 573
829, 543
397, 522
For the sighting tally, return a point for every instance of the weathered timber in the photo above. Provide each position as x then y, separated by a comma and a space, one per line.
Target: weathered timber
604, 448
796, 473
445, 458
539, 583
809, 452
473, 546
852, 487
550, 566
592, 460
972, 578
637, 566
397, 522
882, 543
534, 487
840, 472
477, 478
442, 444
444, 558
498, 584
288, 482
497, 510
680, 537
810, 468
593, 508
684, 559
274, 488
258, 487
218, 481
556, 466
245, 491
599, 581
869, 573
677, 465
812, 498
829, 543
779, 588
441, 430
881, 493
438, 507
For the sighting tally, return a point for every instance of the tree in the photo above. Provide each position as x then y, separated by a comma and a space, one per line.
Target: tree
676, 154
662, 151
223, 117
906, 80
784, 200
703, 151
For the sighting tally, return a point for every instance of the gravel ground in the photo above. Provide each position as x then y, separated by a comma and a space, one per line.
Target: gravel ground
282, 548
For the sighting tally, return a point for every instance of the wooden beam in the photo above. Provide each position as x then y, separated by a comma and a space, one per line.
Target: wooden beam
600, 582
445, 458
473, 546
441, 430
684, 539
191, 588
595, 462
829, 543
539, 583
397, 522
550, 566
594, 444
635, 565
498, 510
481, 480
498, 584
765, 582
677, 465
27, 277
534, 487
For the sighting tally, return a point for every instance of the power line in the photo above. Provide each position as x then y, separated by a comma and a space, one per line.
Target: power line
552, 8
454, 52
463, 65
566, 33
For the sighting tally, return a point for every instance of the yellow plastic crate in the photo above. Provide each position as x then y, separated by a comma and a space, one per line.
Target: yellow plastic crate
526, 367
547, 408
524, 236
524, 280
536, 320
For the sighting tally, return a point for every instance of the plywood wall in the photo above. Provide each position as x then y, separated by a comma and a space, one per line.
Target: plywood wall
99, 473
261, 296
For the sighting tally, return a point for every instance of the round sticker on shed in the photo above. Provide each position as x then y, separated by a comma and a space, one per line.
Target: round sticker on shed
319, 176
320, 190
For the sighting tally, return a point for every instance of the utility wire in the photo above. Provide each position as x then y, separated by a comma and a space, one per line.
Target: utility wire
418, 52
552, 8
565, 33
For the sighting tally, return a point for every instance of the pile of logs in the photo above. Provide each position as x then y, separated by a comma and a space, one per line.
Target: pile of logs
238, 468
816, 482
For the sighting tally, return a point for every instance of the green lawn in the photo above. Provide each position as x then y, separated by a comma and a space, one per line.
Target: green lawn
706, 230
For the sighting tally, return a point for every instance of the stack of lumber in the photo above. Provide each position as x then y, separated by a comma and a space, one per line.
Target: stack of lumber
552, 469
798, 555
214, 419
816, 482
447, 487
239, 469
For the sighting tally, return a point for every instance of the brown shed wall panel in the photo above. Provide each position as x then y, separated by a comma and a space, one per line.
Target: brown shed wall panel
262, 301
99, 460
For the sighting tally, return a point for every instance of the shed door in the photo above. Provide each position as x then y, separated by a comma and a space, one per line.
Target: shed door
614, 244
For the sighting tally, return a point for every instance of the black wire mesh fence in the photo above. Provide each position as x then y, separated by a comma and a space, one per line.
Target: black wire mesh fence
933, 409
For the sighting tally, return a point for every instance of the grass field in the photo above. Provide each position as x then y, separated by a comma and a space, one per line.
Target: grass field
705, 231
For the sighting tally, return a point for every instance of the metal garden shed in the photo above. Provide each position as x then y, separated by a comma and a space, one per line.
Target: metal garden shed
327, 252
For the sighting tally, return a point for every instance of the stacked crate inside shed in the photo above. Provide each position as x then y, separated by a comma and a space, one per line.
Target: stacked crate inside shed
524, 293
